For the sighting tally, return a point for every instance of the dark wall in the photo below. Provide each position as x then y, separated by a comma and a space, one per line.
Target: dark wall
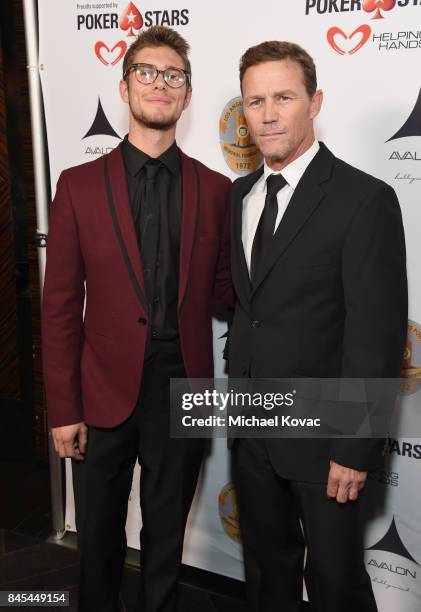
22, 410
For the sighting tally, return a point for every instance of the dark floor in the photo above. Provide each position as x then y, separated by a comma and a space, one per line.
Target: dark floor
28, 561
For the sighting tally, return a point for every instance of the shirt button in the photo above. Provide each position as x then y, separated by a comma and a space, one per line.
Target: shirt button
154, 333
256, 324
142, 321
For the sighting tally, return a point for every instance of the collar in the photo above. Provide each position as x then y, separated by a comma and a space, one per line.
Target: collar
295, 170
135, 159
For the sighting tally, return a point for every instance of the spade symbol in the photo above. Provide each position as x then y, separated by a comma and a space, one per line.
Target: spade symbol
131, 19
378, 5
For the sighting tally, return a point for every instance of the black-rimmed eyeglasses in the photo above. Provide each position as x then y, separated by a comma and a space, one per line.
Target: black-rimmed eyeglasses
148, 73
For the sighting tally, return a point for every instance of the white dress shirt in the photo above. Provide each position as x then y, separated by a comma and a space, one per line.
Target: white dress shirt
254, 201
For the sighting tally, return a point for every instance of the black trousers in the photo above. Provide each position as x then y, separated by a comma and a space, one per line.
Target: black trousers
102, 483
270, 510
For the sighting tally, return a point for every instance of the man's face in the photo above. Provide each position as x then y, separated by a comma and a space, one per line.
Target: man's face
278, 109
156, 105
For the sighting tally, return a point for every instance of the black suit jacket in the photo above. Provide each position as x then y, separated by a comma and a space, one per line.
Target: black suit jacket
330, 299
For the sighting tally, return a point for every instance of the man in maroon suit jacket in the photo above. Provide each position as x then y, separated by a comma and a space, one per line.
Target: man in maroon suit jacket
141, 234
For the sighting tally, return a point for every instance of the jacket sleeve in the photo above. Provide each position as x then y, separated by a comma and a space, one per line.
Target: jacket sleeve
376, 308
62, 312
223, 293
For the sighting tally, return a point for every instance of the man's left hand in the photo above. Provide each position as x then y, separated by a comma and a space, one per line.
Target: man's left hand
344, 483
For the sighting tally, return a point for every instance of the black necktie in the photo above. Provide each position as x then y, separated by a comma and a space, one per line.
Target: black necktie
266, 226
149, 225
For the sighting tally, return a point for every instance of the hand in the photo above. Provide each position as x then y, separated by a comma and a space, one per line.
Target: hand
344, 483
65, 442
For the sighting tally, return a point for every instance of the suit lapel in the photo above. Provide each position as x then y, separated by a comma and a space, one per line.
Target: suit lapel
123, 222
305, 199
189, 220
240, 271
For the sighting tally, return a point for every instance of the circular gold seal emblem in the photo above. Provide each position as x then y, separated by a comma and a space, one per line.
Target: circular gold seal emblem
411, 367
241, 155
228, 512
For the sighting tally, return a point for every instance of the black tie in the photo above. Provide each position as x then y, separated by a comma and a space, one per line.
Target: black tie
266, 226
149, 224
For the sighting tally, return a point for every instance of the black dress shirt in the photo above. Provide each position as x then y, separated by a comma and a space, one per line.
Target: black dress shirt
168, 199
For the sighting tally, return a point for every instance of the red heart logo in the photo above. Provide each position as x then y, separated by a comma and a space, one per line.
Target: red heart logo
364, 30
100, 47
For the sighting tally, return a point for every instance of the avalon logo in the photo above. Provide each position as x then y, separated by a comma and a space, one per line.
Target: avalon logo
100, 125
412, 126
391, 542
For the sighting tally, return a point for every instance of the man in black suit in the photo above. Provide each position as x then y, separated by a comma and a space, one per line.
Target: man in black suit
318, 263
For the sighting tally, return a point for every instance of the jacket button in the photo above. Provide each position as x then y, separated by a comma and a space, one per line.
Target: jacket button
142, 321
255, 324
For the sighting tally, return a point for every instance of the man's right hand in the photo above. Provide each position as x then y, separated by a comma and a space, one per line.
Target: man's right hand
65, 442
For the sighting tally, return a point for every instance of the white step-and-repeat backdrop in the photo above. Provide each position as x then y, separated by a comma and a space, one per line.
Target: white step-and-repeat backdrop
368, 55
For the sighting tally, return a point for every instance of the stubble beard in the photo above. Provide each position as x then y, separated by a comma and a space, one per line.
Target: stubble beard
278, 156
143, 120
276, 159
147, 121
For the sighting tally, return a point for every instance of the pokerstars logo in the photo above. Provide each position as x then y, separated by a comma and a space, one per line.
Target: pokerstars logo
403, 448
104, 16
348, 41
377, 8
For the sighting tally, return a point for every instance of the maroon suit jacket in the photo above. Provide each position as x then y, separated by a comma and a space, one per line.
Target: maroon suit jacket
93, 363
